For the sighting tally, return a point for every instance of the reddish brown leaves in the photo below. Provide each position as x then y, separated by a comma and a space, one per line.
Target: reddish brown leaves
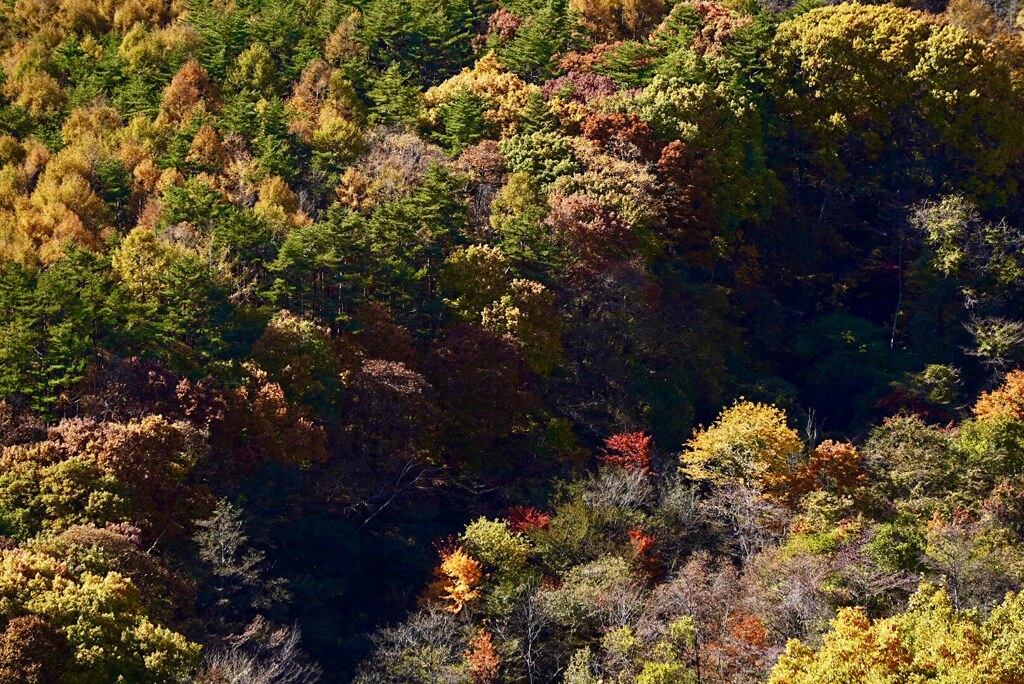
595, 237
625, 135
524, 518
579, 86
629, 450
31, 651
503, 24
254, 423
190, 86
483, 659
834, 466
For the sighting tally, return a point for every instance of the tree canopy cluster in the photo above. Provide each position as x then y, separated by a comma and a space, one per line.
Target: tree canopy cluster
487, 341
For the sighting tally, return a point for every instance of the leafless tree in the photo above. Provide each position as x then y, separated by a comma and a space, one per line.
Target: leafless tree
622, 488
260, 655
975, 572
527, 626
746, 518
427, 648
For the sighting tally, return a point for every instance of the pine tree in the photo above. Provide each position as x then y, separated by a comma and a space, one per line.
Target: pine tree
536, 116
463, 120
310, 273
223, 34
531, 53
197, 313
395, 97
406, 241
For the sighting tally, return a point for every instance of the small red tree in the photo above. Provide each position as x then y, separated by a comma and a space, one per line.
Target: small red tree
740, 654
483, 659
629, 450
645, 557
522, 518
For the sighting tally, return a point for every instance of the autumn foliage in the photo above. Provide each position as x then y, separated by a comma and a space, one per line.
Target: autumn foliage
459, 579
1005, 401
832, 466
630, 450
289, 290
523, 518
483, 659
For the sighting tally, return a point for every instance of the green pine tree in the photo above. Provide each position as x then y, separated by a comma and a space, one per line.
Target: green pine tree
532, 51
463, 121
395, 97
536, 115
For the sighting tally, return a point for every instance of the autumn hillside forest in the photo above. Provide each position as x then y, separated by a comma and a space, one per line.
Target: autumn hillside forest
511, 342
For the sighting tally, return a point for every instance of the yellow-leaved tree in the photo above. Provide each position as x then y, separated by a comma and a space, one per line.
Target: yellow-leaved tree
503, 93
459, 580
750, 443
930, 641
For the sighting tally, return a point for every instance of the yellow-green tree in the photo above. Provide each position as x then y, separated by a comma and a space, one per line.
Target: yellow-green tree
527, 315
100, 616
863, 83
476, 277
931, 641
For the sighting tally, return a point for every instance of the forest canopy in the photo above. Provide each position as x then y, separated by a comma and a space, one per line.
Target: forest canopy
508, 341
